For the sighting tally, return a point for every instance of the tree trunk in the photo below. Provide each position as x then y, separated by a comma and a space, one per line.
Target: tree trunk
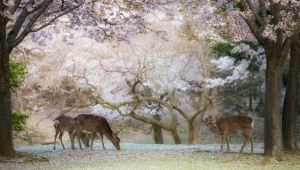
273, 142
165, 126
192, 133
157, 132
194, 126
176, 137
6, 145
157, 135
291, 100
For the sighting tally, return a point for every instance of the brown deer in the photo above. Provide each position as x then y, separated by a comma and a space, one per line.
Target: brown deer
66, 123
96, 124
229, 125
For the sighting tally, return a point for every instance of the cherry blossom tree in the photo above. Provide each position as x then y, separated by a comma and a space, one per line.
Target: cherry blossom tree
238, 74
20, 18
273, 23
17, 19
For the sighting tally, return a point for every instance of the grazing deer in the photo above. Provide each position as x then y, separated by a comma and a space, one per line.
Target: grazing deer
96, 124
66, 123
226, 126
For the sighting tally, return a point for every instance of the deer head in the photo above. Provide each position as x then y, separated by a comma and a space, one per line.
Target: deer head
116, 141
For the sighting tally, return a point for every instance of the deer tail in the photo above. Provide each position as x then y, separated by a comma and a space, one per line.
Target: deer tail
252, 124
56, 122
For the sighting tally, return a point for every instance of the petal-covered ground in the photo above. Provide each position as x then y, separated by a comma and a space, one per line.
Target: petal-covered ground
146, 157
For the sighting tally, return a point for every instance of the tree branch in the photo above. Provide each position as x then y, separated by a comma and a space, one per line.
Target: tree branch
53, 19
255, 13
12, 39
263, 10
15, 6
252, 25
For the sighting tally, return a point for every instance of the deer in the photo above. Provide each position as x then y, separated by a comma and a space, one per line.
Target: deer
96, 124
65, 123
228, 125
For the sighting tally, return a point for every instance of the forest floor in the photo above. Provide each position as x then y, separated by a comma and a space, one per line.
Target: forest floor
146, 157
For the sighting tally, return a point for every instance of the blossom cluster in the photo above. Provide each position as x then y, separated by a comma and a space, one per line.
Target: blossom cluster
237, 69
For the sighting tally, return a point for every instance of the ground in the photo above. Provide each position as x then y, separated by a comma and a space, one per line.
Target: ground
146, 157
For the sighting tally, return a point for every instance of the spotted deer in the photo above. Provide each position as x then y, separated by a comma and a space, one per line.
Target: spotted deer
228, 125
65, 123
96, 124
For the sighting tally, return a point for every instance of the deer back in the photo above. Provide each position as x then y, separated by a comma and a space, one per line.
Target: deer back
229, 124
234, 124
92, 123
64, 123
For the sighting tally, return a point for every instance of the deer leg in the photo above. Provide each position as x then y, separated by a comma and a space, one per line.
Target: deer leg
56, 134
223, 138
93, 137
245, 142
101, 136
86, 140
72, 138
78, 137
251, 141
227, 141
60, 138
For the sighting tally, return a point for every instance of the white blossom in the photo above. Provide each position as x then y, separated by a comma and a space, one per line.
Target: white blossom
223, 63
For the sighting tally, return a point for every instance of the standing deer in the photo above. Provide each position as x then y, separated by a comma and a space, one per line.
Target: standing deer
226, 126
66, 123
96, 124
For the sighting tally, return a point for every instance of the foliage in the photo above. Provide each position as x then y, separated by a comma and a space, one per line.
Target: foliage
238, 74
19, 121
222, 49
17, 73
243, 50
